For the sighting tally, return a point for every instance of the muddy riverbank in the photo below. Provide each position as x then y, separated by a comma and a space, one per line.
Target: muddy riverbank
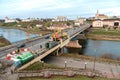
103, 37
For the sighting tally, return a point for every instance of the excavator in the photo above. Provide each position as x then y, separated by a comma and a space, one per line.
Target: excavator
55, 35
59, 35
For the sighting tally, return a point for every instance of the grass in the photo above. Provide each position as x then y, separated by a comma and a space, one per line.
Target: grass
105, 32
39, 66
4, 42
77, 77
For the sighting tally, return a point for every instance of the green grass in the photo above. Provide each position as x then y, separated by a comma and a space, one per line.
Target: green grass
39, 66
67, 78
105, 32
2, 44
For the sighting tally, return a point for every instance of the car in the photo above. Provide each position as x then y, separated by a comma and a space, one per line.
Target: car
47, 37
21, 45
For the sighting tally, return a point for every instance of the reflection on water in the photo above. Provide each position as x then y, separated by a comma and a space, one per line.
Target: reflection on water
99, 48
14, 35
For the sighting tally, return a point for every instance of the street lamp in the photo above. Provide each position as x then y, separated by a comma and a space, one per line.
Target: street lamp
85, 65
42, 63
65, 64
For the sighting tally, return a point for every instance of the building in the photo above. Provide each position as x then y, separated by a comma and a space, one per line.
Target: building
61, 18
26, 20
79, 21
7, 20
58, 27
108, 22
100, 16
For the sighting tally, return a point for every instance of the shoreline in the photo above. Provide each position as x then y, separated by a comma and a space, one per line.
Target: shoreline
103, 37
43, 32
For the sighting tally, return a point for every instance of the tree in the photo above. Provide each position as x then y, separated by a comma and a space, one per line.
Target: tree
47, 24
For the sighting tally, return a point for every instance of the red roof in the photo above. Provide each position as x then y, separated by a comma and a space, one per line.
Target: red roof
101, 14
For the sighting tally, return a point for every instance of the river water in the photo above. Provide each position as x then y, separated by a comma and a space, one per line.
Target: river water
99, 48
14, 35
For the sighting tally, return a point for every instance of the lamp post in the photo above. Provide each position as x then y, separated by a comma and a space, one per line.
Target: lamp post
85, 65
65, 64
42, 63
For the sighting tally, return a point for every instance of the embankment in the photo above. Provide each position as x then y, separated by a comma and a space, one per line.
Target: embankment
103, 34
4, 42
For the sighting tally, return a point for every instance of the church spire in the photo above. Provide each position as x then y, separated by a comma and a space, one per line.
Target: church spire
97, 12
96, 15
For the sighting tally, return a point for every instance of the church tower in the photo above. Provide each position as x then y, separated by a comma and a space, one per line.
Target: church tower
97, 14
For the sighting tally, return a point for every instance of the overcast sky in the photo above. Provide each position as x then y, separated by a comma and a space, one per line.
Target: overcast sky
53, 8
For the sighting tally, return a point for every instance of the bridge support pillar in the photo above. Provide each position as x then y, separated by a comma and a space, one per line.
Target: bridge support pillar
62, 50
57, 53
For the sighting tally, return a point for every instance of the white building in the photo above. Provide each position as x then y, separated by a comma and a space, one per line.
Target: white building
102, 23
61, 18
26, 20
7, 20
79, 21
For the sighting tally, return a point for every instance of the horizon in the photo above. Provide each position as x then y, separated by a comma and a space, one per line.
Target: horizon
52, 8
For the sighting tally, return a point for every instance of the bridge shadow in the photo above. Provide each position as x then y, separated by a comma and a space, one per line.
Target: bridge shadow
48, 58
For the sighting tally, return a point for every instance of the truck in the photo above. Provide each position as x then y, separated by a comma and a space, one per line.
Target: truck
51, 44
22, 59
25, 57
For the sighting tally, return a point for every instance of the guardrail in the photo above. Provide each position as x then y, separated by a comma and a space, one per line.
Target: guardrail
61, 72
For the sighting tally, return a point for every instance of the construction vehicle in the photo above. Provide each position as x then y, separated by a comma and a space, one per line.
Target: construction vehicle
59, 35
64, 35
56, 36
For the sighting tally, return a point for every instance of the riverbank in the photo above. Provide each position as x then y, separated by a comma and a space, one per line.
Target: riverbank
104, 34
30, 30
4, 42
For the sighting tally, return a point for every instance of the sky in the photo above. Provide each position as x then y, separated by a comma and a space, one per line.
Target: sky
52, 8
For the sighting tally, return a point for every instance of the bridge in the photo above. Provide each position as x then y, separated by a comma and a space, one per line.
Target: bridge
43, 53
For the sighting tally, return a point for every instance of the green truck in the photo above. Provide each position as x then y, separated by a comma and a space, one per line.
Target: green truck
25, 57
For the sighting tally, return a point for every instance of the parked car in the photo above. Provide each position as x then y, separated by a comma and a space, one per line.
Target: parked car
21, 45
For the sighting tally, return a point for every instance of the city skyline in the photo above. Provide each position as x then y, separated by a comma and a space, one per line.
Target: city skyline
53, 8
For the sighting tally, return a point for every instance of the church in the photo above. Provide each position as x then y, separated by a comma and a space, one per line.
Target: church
100, 16
102, 20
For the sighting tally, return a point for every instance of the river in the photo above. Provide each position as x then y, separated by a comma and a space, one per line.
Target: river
99, 48
14, 35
